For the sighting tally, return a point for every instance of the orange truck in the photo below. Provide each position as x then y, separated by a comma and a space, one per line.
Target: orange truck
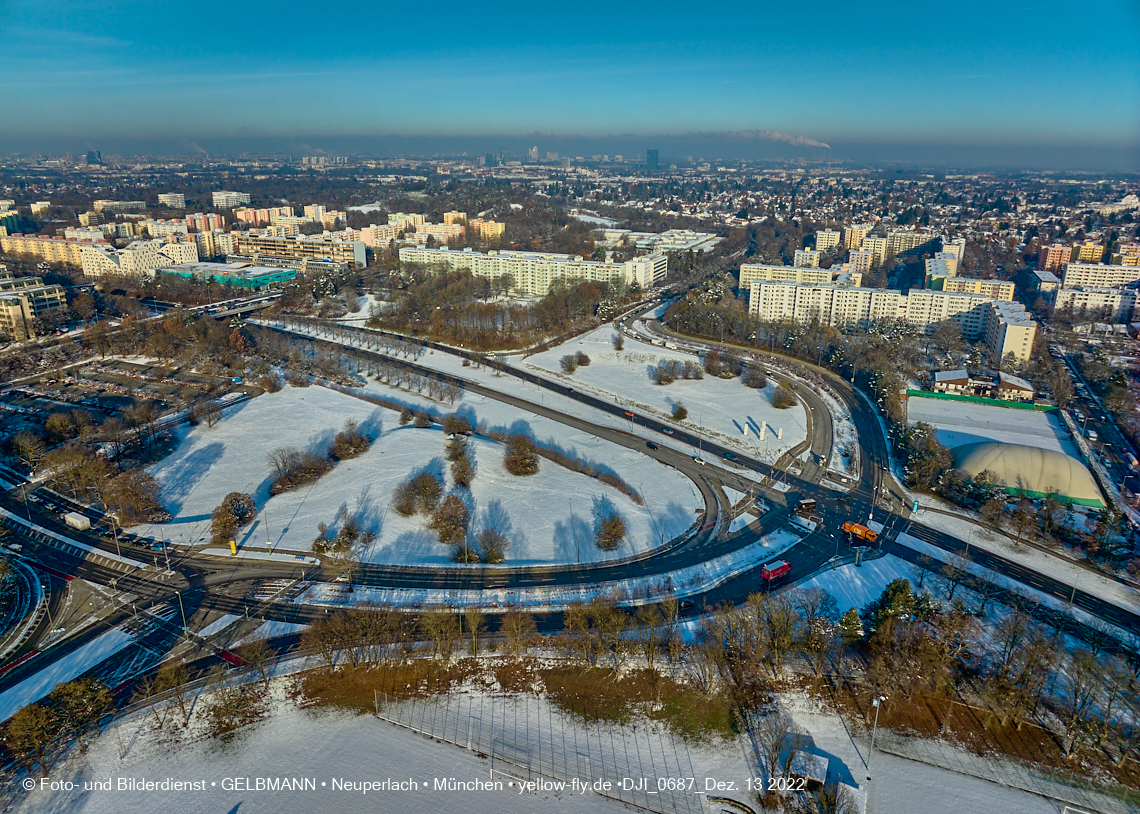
861, 532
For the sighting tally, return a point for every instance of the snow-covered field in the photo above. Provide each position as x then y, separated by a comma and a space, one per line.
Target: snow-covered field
961, 422
549, 517
854, 587
722, 406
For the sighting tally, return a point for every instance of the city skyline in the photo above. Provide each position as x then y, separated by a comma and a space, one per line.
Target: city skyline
966, 84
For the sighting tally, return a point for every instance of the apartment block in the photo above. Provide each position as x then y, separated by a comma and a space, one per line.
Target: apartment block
1098, 275
224, 199
314, 211
877, 246
1104, 304
808, 275
163, 228
40, 209
826, 239
262, 217
302, 248
1010, 330
993, 289
200, 222
22, 300
403, 220
861, 261
956, 247
900, 241
1052, 258
853, 235
173, 200
1087, 253
442, 232
216, 243
54, 250
118, 206
140, 259
488, 229
88, 234
454, 216
1005, 326
806, 258
533, 273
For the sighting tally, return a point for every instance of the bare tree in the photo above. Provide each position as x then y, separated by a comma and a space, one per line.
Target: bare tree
518, 629
172, 679
1081, 682
260, 657
475, 622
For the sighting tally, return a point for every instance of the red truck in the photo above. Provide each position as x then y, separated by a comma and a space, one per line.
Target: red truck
861, 532
774, 569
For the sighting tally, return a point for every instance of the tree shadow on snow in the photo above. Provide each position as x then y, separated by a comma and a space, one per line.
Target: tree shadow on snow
184, 473
571, 537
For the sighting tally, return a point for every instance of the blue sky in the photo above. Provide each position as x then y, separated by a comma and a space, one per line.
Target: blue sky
1032, 72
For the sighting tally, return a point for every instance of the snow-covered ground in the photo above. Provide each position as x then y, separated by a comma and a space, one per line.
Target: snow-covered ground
961, 422
1051, 565
549, 517
71, 666
721, 406
854, 587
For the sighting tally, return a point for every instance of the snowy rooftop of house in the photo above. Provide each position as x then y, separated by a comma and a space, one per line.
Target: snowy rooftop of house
1009, 380
813, 767
951, 375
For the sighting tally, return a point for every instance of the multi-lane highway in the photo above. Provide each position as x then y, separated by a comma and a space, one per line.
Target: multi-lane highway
195, 580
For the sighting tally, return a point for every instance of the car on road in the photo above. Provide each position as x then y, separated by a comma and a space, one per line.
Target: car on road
157, 546
728, 456
651, 445
698, 459
667, 430
686, 604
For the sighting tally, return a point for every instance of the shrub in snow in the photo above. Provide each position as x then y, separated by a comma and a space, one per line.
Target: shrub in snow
450, 522
784, 397
350, 442
521, 457
680, 412
610, 532
569, 363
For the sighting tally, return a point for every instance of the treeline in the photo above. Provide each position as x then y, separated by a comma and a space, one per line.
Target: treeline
455, 307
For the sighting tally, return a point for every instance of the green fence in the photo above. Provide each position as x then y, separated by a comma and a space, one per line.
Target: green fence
1016, 405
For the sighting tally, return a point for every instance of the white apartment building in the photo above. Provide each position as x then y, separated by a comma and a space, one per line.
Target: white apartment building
163, 228
314, 211
861, 262
1005, 326
88, 234
826, 239
215, 243
853, 235
141, 258
532, 273
905, 240
956, 247
877, 245
224, 199
173, 200
1098, 275
807, 258
1108, 304
808, 275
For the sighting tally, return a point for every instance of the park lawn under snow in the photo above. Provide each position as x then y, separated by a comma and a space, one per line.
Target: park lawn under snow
547, 516
722, 406
855, 586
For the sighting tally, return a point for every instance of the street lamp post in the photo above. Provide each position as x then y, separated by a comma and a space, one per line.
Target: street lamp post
874, 729
182, 610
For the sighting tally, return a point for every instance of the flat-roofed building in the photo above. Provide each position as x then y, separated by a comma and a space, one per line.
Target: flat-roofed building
994, 289
807, 258
303, 247
1005, 326
1088, 252
22, 300
826, 239
750, 272
118, 206
239, 275
140, 259
454, 216
877, 246
853, 235
1052, 258
1002, 386
533, 273
488, 230
1098, 275
172, 200
1101, 304
901, 241
862, 262
55, 250
225, 199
